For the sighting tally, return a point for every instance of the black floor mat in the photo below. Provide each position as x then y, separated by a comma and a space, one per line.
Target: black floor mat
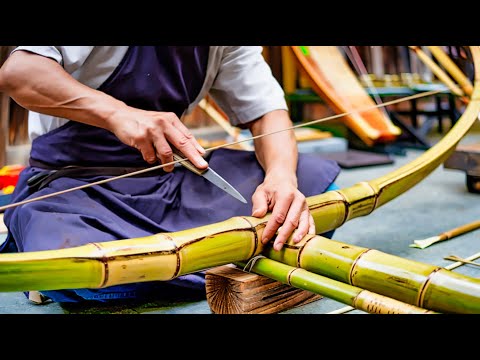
355, 158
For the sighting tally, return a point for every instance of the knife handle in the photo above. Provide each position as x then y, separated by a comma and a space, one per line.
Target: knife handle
177, 155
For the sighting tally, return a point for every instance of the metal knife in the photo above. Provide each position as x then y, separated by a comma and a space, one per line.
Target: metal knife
208, 174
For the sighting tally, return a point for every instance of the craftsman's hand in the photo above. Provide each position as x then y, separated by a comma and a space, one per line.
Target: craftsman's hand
151, 132
290, 212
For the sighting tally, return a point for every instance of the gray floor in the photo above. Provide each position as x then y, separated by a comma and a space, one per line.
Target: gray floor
439, 203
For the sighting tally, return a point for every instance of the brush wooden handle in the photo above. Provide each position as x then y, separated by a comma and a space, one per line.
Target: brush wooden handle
460, 230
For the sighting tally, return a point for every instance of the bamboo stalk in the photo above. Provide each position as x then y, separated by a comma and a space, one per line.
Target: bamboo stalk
356, 297
459, 262
453, 69
423, 285
158, 257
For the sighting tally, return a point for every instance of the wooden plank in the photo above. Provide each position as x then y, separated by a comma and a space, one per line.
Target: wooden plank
231, 290
466, 158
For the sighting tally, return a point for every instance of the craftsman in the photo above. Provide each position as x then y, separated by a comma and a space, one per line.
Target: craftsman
120, 107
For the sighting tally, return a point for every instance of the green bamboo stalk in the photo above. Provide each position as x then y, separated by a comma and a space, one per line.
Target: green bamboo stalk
356, 297
159, 257
416, 283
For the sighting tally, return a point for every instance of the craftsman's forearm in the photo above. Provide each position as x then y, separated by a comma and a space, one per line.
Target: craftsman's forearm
40, 84
277, 153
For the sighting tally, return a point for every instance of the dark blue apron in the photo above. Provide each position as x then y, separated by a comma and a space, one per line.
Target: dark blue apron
152, 78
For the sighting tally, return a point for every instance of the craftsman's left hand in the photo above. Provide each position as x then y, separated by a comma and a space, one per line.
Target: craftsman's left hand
290, 212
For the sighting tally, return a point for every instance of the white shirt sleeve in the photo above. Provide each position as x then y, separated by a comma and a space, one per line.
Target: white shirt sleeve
90, 65
245, 87
70, 57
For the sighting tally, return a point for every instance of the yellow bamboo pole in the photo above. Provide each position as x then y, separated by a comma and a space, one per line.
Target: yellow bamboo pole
289, 70
452, 68
459, 263
437, 70
459, 259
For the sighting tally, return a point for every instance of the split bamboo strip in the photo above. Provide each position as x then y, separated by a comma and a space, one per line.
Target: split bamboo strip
459, 259
342, 310
452, 69
423, 285
459, 263
351, 295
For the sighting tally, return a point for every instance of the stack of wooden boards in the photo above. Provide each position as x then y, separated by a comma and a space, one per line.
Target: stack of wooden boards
231, 290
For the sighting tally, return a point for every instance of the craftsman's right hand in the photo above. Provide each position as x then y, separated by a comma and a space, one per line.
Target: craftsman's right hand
152, 132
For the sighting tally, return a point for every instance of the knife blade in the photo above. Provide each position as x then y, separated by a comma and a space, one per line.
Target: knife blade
208, 174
